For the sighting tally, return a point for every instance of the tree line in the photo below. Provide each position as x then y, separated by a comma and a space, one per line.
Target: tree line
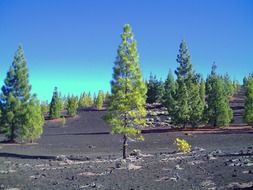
21, 113
189, 99
72, 103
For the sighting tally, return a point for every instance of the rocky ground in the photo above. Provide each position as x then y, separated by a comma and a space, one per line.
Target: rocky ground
84, 155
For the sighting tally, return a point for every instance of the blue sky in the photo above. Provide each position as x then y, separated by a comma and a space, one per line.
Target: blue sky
72, 44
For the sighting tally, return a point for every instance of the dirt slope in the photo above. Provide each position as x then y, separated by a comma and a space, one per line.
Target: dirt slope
237, 105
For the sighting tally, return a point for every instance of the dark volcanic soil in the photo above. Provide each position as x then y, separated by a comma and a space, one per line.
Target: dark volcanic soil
84, 155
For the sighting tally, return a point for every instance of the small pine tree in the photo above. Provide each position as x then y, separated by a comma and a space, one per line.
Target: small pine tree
248, 113
107, 97
81, 101
55, 105
126, 110
44, 107
99, 100
155, 90
72, 105
34, 122
169, 93
228, 85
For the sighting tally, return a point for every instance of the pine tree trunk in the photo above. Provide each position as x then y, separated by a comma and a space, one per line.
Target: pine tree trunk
12, 134
124, 147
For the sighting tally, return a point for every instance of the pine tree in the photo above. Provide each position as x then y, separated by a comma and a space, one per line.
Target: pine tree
34, 121
44, 107
99, 101
85, 100
184, 71
81, 101
72, 105
188, 103
248, 113
55, 105
196, 104
16, 102
228, 85
126, 111
181, 114
218, 110
202, 90
155, 90
169, 93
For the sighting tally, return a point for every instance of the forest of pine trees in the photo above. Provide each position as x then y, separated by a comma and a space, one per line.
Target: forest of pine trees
191, 100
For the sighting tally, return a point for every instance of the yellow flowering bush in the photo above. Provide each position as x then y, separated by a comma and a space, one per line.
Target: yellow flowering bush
183, 145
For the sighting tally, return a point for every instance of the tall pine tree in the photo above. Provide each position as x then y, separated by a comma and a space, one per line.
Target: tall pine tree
126, 111
16, 103
188, 103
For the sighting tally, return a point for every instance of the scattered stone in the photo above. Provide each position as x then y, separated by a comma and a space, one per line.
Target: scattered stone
3, 172
55, 183
61, 158
247, 172
2, 186
249, 164
7, 162
207, 184
177, 167
218, 151
163, 179
173, 179
196, 162
92, 185
240, 185
89, 174
211, 157
133, 167
120, 163
135, 152
91, 146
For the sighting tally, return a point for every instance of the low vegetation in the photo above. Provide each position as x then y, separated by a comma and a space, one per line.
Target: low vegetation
182, 145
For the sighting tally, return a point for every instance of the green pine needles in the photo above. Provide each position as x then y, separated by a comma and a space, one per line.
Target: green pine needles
218, 111
183, 96
72, 105
21, 115
56, 105
126, 110
248, 114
